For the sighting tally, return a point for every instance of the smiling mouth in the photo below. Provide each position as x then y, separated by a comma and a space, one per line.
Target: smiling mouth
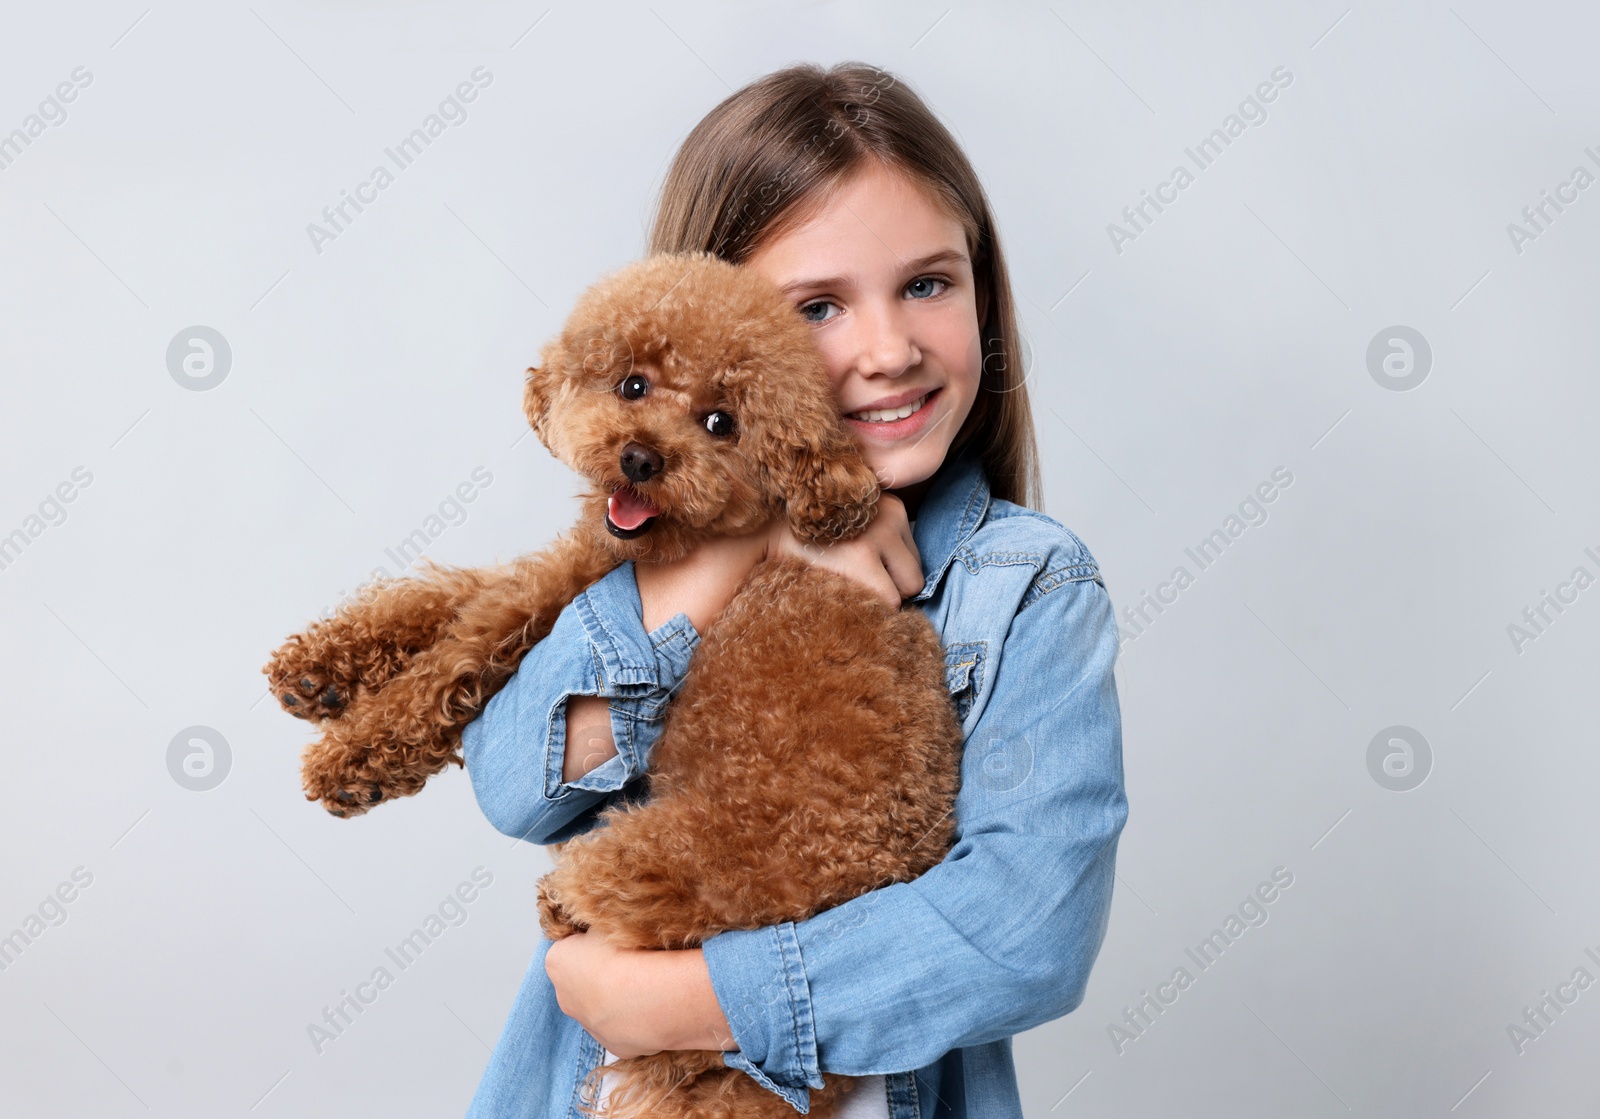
891, 415
628, 514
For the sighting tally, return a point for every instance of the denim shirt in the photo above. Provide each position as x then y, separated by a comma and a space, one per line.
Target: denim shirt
924, 981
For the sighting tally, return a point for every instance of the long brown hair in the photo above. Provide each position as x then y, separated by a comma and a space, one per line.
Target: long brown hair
756, 162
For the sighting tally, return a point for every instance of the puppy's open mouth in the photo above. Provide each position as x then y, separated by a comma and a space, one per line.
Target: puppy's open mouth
628, 514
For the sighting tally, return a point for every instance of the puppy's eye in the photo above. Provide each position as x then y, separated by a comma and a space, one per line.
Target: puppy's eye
719, 423
632, 388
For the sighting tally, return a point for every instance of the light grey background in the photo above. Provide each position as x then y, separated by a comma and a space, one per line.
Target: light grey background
1170, 379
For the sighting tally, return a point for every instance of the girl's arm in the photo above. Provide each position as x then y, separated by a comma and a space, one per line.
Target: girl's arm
699, 587
516, 749
574, 725
1000, 936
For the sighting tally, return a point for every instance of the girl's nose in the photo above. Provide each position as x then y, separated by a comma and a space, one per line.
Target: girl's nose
886, 346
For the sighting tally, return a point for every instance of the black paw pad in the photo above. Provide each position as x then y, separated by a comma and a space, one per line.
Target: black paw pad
330, 697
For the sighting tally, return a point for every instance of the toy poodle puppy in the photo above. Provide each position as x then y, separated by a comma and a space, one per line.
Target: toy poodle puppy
812, 753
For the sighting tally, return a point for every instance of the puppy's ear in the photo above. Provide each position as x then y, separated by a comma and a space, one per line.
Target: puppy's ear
831, 492
539, 391
812, 463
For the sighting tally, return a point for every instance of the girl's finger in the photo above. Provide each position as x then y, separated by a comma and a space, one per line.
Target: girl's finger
911, 542
903, 566
887, 589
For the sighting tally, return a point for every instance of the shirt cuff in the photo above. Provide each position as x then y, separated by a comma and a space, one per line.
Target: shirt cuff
637, 672
761, 985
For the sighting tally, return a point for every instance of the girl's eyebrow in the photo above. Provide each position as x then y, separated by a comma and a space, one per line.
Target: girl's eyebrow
942, 256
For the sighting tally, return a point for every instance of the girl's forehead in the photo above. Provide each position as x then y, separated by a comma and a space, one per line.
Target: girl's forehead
878, 218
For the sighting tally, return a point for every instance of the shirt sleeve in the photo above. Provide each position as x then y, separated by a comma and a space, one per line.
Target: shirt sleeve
1001, 935
515, 748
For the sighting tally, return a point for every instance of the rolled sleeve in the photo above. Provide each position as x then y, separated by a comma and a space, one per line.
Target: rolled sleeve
760, 982
516, 748
1001, 935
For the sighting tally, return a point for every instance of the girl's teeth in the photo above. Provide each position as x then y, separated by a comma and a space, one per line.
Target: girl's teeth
889, 415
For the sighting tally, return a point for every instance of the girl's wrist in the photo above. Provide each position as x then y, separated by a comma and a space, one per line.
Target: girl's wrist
683, 1007
701, 584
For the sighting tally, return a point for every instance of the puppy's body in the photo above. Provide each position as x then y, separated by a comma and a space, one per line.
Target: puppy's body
812, 753
807, 760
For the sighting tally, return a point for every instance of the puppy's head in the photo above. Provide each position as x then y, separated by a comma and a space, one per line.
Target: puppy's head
691, 395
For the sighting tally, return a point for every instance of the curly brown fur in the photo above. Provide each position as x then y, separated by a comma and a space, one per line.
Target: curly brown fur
316, 674
398, 735
812, 754
791, 775
392, 678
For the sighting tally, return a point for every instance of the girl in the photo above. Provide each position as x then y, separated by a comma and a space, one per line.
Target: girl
844, 189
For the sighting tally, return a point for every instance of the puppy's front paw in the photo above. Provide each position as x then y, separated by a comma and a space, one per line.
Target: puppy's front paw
345, 783
304, 687
312, 698
554, 920
346, 798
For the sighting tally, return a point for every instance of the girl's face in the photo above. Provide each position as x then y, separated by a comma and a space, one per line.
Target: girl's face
882, 270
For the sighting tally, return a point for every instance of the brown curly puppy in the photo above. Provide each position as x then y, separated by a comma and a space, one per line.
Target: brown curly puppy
812, 753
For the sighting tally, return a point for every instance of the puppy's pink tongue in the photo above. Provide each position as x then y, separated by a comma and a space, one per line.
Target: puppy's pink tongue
628, 510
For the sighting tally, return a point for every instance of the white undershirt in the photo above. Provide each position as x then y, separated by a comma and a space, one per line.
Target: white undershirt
868, 1100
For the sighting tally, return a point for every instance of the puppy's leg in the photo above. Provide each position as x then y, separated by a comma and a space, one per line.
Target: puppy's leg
640, 877
408, 730
554, 919
317, 674
695, 1084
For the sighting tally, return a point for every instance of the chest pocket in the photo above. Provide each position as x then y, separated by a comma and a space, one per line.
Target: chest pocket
963, 674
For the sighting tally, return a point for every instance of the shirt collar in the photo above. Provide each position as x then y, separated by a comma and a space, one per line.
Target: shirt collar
951, 512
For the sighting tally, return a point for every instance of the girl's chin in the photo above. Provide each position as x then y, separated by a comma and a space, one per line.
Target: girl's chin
896, 472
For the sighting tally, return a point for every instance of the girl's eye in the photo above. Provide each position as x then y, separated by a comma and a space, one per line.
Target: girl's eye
922, 287
719, 423
632, 388
815, 310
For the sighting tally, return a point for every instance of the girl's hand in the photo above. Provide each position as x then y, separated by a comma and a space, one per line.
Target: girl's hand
701, 583
637, 1002
883, 559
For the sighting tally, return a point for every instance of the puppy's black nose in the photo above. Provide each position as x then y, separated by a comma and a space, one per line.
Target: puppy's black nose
640, 463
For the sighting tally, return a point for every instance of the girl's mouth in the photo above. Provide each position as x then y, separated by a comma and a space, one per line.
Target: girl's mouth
628, 514
894, 423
